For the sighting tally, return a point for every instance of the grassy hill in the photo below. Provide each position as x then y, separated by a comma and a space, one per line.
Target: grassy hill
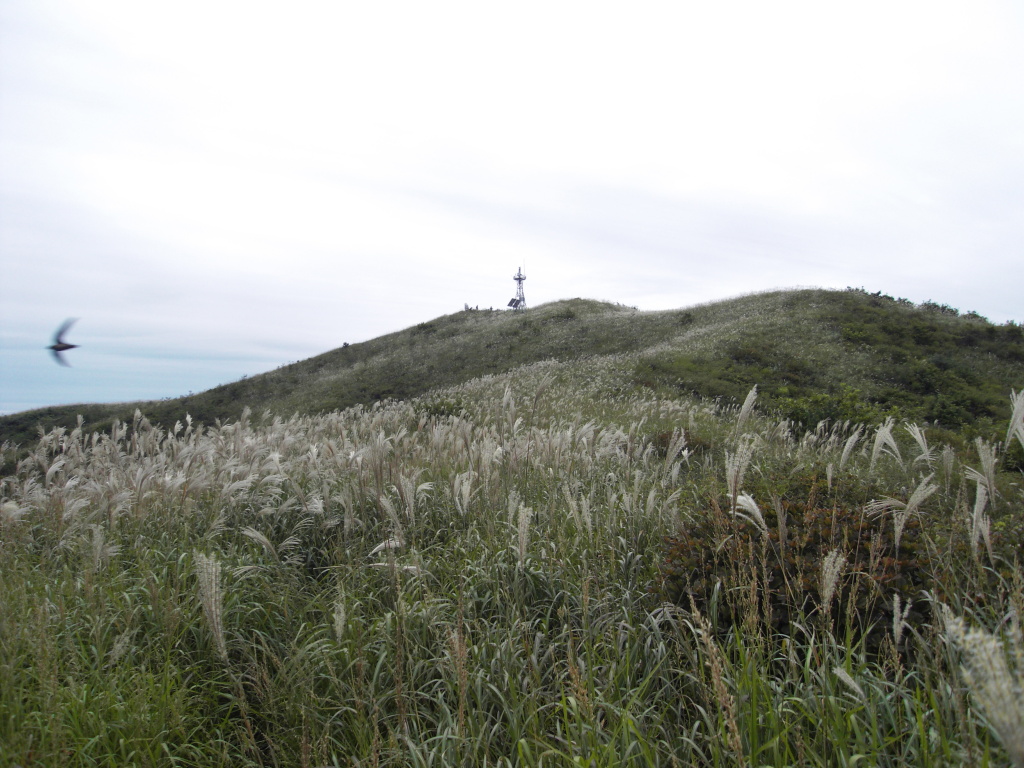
814, 354
550, 552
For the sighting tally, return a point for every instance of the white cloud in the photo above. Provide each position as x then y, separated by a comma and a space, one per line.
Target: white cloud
265, 183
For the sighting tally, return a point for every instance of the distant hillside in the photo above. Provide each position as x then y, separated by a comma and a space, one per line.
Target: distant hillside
847, 355
814, 354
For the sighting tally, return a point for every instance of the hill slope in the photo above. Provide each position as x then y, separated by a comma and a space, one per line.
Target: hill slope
571, 563
814, 354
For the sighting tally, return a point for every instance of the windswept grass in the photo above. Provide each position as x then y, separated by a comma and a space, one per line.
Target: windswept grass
478, 576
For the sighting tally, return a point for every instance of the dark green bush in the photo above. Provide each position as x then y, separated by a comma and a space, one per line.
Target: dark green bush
439, 407
847, 404
774, 579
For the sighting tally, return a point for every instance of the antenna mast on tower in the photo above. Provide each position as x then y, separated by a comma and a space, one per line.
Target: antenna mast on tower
519, 302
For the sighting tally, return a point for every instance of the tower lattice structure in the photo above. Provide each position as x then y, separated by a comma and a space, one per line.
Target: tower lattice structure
519, 302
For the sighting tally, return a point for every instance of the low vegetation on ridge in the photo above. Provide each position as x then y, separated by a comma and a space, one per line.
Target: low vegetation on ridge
583, 560
814, 354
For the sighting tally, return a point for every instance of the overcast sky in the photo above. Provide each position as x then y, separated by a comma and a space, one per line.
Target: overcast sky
218, 188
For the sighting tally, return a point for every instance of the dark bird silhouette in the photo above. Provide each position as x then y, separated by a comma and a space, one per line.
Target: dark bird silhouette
59, 345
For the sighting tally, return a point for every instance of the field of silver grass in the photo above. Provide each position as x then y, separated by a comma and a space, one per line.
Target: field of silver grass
476, 578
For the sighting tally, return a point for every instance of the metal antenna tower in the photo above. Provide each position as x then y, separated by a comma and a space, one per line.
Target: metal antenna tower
519, 302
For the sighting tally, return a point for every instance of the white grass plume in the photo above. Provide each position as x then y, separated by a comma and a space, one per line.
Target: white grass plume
387, 545
850, 683
676, 449
851, 443
340, 615
832, 568
736, 467
525, 516
462, 490
211, 596
980, 523
101, 551
997, 689
11, 513
1016, 426
412, 494
885, 443
746, 502
988, 459
948, 464
392, 515
927, 455
121, 645
903, 510
899, 618
263, 541
746, 410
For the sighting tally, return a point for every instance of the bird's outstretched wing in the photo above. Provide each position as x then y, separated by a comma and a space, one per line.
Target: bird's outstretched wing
60, 358
58, 337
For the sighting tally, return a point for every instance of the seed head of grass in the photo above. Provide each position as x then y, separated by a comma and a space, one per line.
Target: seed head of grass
525, 515
903, 510
831, 569
340, 615
988, 459
1016, 426
211, 597
850, 683
851, 443
899, 618
980, 523
885, 443
927, 454
746, 502
998, 690
736, 467
746, 410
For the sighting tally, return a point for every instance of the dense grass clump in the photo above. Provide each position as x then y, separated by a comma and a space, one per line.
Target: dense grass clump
474, 578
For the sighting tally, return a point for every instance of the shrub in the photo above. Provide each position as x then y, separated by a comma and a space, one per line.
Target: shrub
774, 576
440, 407
847, 404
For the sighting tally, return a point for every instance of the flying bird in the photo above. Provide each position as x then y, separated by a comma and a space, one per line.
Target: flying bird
59, 345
